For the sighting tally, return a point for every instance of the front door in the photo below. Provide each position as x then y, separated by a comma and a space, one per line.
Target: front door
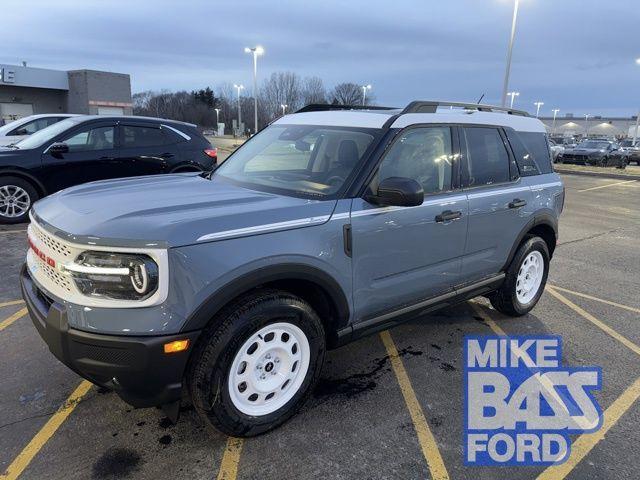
90, 157
403, 255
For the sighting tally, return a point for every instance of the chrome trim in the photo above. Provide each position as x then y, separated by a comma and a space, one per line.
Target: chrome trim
182, 134
266, 228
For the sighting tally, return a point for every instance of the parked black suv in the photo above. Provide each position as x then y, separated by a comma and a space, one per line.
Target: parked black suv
87, 148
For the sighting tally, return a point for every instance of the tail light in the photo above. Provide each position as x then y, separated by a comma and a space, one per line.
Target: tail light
212, 152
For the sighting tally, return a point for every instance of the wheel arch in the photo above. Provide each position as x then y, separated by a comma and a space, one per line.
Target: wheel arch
313, 285
543, 225
16, 172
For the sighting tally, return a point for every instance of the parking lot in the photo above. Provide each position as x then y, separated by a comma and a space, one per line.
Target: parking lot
387, 406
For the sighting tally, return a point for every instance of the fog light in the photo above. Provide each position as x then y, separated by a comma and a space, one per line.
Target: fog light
176, 346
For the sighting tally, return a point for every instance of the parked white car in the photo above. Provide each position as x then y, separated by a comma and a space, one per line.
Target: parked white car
18, 129
556, 150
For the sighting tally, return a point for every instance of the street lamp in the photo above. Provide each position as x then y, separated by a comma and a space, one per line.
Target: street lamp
553, 125
586, 125
538, 105
507, 71
217, 116
635, 133
283, 106
256, 51
364, 92
238, 88
513, 95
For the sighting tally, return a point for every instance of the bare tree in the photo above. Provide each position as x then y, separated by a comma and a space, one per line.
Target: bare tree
281, 88
350, 94
313, 91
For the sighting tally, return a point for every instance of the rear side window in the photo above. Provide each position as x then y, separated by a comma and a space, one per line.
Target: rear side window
524, 158
487, 160
537, 146
142, 136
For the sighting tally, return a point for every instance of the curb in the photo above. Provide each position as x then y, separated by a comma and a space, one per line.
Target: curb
590, 173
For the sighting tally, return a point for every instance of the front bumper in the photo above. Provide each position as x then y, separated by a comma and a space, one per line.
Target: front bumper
135, 367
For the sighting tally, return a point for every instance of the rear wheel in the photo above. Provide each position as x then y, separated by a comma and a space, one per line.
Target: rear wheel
257, 364
16, 198
525, 279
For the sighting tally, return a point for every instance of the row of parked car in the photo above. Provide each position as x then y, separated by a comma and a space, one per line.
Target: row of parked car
42, 154
601, 152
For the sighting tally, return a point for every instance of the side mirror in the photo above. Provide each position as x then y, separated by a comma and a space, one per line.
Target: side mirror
58, 149
398, 192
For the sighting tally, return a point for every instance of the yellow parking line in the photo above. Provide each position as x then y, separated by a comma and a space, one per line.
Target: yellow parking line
601, 300
606, 186
487, 319
585, 443
23, 460
12, 231
16, 316
230, 459
602, 326
11, 302
425, 437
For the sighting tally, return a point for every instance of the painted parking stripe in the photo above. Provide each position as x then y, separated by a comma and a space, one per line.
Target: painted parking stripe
596, 299
16, 316
230, 459
601, 325
2, 232
425, 437
25, 457
607, 185
11, 302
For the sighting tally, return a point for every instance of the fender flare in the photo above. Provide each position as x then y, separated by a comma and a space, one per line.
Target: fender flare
27, 176
542, 218
244, 283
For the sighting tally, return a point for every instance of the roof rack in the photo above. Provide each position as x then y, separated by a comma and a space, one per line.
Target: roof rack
323, 107
431, 106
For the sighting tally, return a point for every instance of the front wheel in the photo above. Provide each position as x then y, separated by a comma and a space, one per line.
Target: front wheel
525, 279
16, 198
258, 364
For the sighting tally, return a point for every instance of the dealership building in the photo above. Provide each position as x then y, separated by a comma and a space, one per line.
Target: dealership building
593, 125
26, 91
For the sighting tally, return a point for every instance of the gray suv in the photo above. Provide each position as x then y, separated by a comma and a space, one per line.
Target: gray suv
331, 223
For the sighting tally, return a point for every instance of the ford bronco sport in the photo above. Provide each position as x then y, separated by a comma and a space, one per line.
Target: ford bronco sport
331, 223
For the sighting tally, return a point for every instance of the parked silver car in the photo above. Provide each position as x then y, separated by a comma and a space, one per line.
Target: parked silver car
15, 131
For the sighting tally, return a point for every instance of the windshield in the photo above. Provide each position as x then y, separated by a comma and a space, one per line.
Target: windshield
626, 143
8, 127
301, 160
43, 136
593, 144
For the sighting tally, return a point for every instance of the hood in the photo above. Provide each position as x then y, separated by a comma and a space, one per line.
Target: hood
172, 210
11, 139
583, 151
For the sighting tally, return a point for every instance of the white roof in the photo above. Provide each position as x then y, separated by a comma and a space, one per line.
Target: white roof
377, 118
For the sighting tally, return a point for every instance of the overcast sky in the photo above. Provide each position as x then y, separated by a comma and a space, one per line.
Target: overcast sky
575, 55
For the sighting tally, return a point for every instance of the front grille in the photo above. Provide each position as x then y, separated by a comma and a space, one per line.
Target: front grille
54, 276
51, 242
109, 355
45, 299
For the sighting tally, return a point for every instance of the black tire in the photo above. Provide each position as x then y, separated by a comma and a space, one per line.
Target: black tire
7, 182
505, 299
208, 373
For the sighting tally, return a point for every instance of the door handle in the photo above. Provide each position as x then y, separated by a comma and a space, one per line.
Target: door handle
167, 155
517, 203
447, 216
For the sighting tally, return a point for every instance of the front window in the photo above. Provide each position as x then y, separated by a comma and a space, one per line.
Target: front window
594, 144
301, 160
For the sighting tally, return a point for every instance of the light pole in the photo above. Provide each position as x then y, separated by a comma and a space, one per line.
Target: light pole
635, 132
586, 125
507, 71
217, 116
513, 95
257, 50
238, 88
538, 105
283, 106
553, 125
364, 92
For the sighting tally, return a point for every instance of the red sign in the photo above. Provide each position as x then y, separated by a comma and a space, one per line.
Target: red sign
43, 256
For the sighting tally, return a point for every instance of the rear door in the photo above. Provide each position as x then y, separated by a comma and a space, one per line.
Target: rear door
146, 149
403, 255
500, 204
92, 148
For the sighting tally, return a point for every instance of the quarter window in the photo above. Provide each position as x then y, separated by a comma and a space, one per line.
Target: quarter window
423, 154
536, 143
99, 138
487, 157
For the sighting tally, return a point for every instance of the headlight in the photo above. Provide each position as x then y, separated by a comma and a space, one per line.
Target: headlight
116, 276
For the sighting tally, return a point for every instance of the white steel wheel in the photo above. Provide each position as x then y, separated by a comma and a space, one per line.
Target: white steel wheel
529, 277
269, 369
14, 201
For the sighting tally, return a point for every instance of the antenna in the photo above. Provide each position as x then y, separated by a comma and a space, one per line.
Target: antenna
480, 99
